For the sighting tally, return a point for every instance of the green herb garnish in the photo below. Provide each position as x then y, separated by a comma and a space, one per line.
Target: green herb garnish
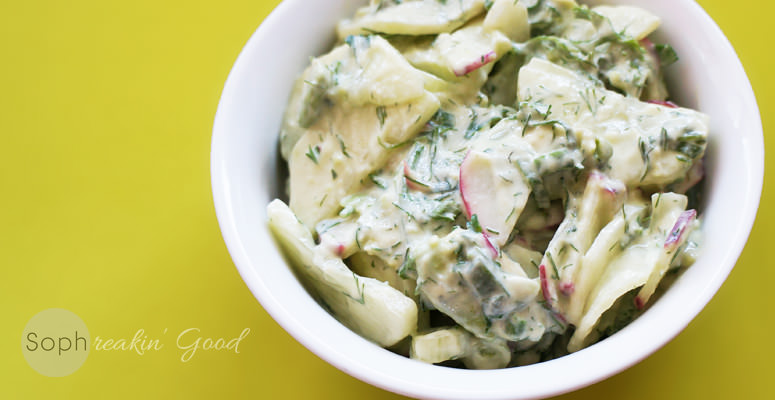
475, 224
313, 153
667, 54
381, 115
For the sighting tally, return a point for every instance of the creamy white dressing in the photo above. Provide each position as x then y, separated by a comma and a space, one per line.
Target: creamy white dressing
497, 166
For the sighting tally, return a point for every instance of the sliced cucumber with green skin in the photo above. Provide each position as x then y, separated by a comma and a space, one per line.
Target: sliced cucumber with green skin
440, 345
606, 245
487, 354
376, 109
373, 267
458, 344
641, 264
493, 192
483, 294
371, 308
587, 214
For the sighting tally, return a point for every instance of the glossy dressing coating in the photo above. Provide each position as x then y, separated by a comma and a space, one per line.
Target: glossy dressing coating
498, 165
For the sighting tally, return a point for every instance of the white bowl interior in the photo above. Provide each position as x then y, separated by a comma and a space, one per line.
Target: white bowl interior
245, 168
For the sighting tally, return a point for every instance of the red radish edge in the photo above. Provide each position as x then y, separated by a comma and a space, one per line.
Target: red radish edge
610, 186
490, 245
560, 317
678, 231
481, 62
467, 207
461, 186
647, 44
668, 104
567, 288
613, 190
639, 303
545, 285
673, 238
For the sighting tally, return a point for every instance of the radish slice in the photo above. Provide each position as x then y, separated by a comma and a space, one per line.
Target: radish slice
676, 235
476, 64
567, 288
546, 288
495, 194
494, 250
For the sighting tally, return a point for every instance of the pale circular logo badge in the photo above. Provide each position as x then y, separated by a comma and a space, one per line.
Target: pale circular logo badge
55, 342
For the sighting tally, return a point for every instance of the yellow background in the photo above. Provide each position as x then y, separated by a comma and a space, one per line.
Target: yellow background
106, 111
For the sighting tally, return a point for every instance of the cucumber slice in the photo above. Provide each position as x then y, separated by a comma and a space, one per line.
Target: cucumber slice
371, 308
456, 343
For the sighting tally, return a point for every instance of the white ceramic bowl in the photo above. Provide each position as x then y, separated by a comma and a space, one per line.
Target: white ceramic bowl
245, 168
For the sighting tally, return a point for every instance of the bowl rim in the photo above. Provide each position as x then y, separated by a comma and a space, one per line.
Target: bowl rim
353, 362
